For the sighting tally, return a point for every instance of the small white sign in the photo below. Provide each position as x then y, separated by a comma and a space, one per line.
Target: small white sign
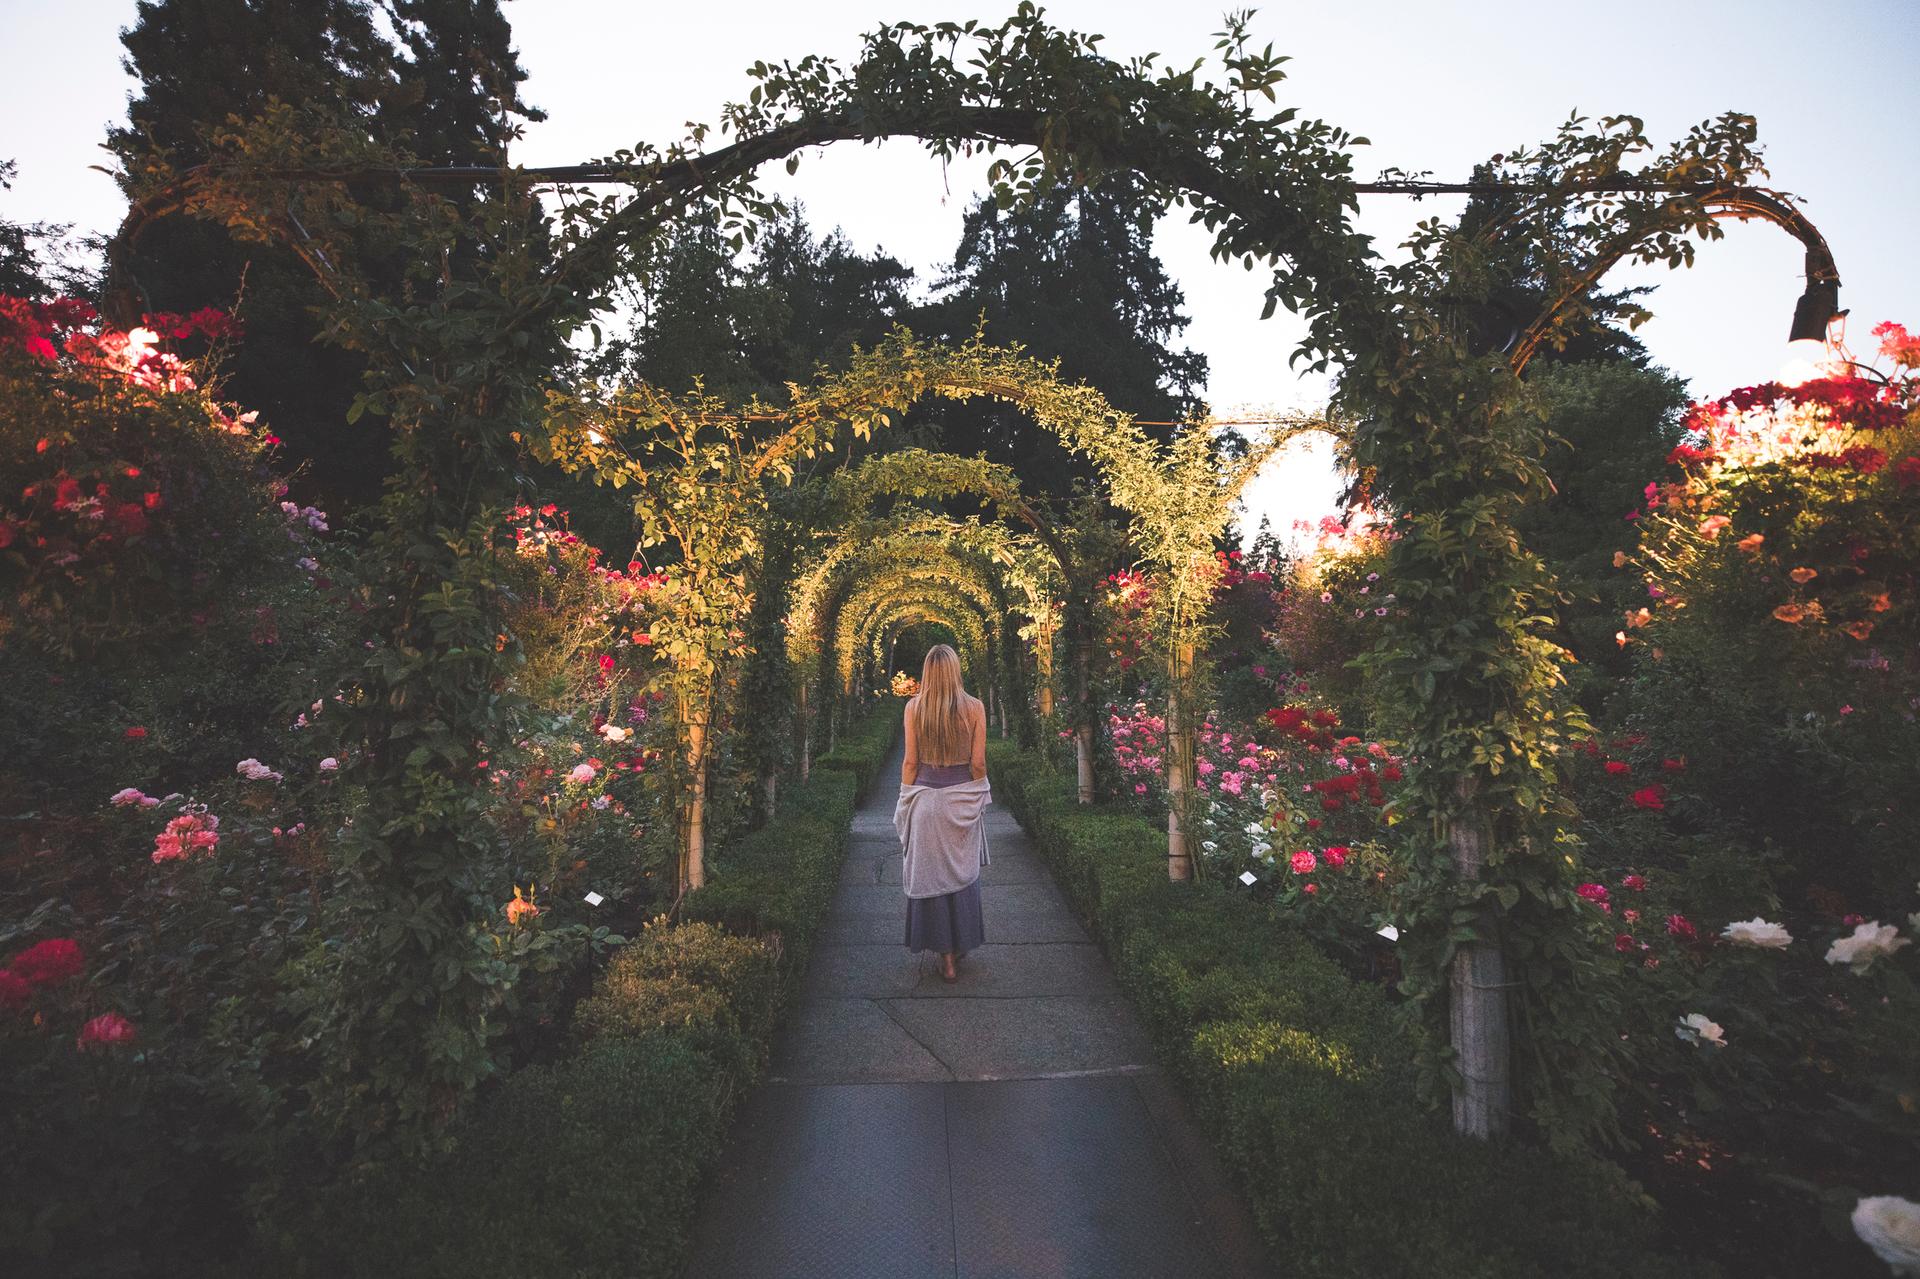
1248, 878
1390, 933
593, 899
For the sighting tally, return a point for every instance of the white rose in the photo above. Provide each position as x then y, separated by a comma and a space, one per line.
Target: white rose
1891, 1227
1696, 1029
1758, 932
1870, 941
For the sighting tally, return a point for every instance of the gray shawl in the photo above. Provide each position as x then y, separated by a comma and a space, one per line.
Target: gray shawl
942, 836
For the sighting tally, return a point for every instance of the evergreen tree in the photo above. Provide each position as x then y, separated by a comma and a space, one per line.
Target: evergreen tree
22, 273
447, 92
1611, 425
828, 297
459, 91
1519, 290
1071, 276
746, 326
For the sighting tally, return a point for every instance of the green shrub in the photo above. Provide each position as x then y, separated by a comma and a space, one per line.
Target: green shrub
1303, 1077
586, 1168
864, 747
718, 989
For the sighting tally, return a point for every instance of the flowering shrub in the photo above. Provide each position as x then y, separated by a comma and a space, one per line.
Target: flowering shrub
1330, 606
1781, 563
1751, 816
1296, 803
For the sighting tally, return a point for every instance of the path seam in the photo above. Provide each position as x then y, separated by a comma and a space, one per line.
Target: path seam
888, 1014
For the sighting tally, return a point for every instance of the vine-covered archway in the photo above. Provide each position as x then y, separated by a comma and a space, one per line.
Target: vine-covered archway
464, 377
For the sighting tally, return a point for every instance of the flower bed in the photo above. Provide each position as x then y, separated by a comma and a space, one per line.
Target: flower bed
1303, 1077
592, 1165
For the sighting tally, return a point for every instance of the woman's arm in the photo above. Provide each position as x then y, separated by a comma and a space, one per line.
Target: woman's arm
979, 761
910, 765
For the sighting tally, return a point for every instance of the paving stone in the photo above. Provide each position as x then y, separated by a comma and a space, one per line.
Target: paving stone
850, 1041
834, 1182
1067, 1177
886, 972
891, 929
1017, 1038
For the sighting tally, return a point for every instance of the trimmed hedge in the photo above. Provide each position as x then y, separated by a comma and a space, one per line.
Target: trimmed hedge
591, 1166
1303, 1078
778, 881
864, 747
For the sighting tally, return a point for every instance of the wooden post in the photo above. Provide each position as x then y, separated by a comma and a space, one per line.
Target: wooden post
1083, 708
694, 855
1179, 763
1477, 993
802, 729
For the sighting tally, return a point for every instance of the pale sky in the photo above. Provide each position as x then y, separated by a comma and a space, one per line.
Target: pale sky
1436, 87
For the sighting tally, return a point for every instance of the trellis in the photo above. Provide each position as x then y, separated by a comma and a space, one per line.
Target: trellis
461, 372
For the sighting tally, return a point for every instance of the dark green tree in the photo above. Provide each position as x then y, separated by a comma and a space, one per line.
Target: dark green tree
827, 296
1524, 282
1071, 276
447, 94
458, 100
25, 271
1610, 425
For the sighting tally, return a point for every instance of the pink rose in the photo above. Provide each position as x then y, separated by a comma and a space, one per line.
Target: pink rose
106, 1030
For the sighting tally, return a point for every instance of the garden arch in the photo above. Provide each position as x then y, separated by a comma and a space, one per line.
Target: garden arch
464, 378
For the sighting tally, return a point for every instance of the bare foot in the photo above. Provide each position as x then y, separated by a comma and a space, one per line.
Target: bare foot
949, 969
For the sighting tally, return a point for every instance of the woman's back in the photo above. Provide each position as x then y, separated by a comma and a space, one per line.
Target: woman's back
950, 741
945, 725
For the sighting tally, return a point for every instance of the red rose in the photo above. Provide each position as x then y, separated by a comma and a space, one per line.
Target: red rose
1907, 471
1651, 797
1682, 927
135, 733
1623, 942
50, 962
1595, 893
1617, 768
1636, 883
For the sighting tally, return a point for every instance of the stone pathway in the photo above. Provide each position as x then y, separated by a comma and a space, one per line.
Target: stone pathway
1012, 1124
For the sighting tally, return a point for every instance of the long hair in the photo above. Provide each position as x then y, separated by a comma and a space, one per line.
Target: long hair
940, 710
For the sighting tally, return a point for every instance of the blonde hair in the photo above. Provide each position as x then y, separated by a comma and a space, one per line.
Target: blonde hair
941, 723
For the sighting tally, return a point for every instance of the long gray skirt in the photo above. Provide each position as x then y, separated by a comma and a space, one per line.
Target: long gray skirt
949, 922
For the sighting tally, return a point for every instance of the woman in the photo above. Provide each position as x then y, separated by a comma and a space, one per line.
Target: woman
943, 797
